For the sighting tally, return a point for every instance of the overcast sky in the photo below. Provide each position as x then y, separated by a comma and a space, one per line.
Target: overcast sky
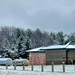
48, 15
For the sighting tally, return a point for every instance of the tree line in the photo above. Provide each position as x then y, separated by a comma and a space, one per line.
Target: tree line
15, 41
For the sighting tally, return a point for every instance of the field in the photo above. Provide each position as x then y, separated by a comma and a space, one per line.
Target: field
58, 70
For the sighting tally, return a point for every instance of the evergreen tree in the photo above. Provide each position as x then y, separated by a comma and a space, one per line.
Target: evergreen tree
60, 37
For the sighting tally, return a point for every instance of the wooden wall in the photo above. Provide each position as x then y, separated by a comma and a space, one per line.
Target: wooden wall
56, 56
37, 58
59, 56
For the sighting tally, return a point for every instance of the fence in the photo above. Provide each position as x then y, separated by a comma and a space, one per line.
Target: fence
42, 67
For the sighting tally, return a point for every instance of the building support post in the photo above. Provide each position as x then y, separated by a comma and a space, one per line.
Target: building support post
67, 56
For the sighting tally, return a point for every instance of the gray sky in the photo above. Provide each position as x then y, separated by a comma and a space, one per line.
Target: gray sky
48, 15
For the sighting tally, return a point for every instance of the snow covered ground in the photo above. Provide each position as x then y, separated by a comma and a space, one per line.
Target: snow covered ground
69, 70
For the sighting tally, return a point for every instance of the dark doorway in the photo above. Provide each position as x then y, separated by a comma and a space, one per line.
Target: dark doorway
73, 61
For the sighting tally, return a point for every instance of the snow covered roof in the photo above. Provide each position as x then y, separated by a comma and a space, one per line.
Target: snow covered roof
34, 50
69, 45
53, 47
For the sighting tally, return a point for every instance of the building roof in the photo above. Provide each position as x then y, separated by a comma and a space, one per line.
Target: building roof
68, 46
71, 45
34, 50
53, 47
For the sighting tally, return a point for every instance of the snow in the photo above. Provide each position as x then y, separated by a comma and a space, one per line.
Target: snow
69, 70
34, 50
32, 73
6, 60
54, 47
71, 46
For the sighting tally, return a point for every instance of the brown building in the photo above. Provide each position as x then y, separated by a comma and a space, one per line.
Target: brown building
54, 53
37, 58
